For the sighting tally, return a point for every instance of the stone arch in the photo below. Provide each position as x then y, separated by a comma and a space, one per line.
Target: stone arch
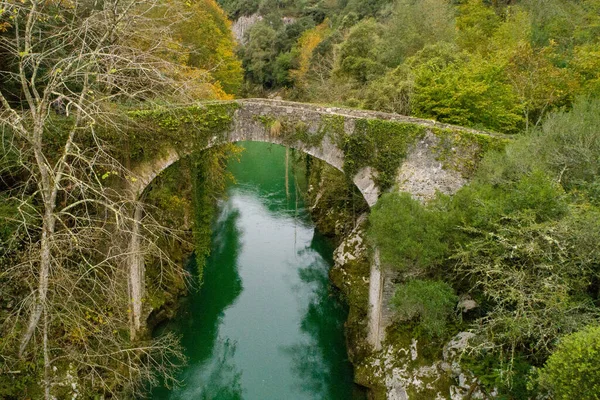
253, 122
437, 157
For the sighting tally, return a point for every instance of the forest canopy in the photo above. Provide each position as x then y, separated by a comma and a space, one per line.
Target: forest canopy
499, 65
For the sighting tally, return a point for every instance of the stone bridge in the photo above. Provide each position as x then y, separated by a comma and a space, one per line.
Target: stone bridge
378, 151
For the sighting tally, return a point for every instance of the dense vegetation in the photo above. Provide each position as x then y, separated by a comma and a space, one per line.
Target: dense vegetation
498, 65
520, 240
68, 71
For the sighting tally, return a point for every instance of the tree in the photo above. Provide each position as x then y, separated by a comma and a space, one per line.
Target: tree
206, 35
391, 93
259, 54
461, 89
306, 46
71, 60
586, 63
476, 24
531, 70
359, 53
414, 24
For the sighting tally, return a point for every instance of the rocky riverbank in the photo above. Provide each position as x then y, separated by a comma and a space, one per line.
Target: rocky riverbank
406, 366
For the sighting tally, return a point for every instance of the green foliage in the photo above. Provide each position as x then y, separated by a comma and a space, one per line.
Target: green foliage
380, 144
209, 171
238, 8
169, 198
495, 65
569, 144
566, 22
207, 36
566, 147
521, 239
392, 92
366, 8
359, 53
408, 235
476, 24
535, 286
336, 203
270, 53
415, 24
586, 64
572, 370
463, 90
534, 194
293, 132
188, 126
259, 54
433, 302
491, 370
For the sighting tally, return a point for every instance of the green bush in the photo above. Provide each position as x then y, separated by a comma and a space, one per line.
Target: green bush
433, 302
407, 234
359, 53
481, 205
568, 144
572, 370
463, 90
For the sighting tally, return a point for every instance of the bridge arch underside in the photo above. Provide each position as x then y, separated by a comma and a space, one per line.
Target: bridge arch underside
170, 156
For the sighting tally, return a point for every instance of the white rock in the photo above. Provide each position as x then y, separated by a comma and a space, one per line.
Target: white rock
413, 349
457, 345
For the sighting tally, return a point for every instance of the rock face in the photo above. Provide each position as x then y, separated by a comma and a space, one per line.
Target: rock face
422, 174
404, 372
243, 25
405, 369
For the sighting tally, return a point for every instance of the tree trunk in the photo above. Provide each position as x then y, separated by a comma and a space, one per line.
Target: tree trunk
135, 276
46, 360
42, 292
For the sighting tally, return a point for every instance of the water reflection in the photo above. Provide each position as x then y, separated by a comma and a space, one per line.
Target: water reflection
316, 360
211, 373
266, 324
223, 379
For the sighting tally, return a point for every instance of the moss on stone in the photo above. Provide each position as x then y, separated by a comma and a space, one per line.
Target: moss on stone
461, 151
291, 132
380, 144
189, 128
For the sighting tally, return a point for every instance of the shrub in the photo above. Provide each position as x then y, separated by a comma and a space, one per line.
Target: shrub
432, 301
406, 233
572, 370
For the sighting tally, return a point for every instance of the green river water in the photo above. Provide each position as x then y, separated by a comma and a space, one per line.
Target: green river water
266, 323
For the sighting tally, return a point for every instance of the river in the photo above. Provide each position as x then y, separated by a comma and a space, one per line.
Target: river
266, 323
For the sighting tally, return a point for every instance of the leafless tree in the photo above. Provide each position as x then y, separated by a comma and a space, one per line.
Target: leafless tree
71, 61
